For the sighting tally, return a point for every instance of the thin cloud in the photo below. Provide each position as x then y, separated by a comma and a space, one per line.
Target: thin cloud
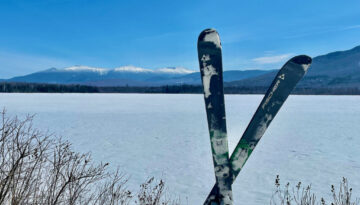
352, 27
271, 59
320, 31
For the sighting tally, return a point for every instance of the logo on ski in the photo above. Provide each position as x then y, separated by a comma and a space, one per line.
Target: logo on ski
282, 76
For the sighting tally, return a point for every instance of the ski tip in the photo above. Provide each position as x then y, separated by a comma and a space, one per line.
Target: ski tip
210, 35
303, 60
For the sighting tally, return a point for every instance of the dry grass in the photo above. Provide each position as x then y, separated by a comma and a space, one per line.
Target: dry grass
299, 195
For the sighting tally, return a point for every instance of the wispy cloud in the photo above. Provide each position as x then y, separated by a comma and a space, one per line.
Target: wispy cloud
352, 27
271, 59
322, 31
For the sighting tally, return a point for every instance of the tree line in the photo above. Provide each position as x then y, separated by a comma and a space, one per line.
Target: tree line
8, 87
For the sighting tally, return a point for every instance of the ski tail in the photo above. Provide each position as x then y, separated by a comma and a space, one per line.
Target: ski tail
285, 81
210, 60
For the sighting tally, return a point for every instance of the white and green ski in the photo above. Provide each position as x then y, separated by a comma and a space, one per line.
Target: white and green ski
210, 60
285, 81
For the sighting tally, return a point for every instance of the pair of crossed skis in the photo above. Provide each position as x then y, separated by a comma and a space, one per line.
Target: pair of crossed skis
227, 169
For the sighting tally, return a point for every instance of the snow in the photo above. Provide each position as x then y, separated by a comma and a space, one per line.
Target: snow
128, 68
175, 70
313, 139
131, 69
87, 68
169, 70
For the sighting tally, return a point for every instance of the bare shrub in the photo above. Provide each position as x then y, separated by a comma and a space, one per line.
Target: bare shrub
37, 168
303, 195
151, 195
344, 195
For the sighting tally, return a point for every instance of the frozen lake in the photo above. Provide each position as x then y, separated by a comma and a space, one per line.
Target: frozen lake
314, 139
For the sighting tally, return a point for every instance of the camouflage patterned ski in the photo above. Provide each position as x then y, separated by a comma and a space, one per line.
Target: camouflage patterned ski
210, 60
285, 81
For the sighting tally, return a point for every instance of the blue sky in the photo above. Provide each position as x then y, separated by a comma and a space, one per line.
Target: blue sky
39, 34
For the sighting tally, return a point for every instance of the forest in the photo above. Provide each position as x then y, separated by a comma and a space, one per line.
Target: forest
6, 87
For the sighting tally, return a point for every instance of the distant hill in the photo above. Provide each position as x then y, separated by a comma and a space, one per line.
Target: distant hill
194, 78
339, 69
126, 76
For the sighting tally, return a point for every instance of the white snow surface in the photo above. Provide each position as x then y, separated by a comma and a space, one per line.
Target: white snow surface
313, 139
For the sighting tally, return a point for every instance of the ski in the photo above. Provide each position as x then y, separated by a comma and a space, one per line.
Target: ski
285, 81
210, 60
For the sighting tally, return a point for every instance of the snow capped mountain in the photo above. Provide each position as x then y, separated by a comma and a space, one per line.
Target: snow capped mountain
336, 69
131, 68
125, 75
178, 70
128, 69
85, 68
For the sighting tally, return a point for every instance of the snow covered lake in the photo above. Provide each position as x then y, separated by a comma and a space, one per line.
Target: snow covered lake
313, 139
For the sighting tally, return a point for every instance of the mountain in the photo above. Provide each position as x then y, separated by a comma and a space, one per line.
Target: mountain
126, 75
90, 75
339, 69
194, 78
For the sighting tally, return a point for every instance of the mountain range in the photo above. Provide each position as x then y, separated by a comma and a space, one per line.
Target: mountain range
126, 76
339, 69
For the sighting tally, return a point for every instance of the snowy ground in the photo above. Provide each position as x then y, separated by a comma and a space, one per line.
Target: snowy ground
314, 139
